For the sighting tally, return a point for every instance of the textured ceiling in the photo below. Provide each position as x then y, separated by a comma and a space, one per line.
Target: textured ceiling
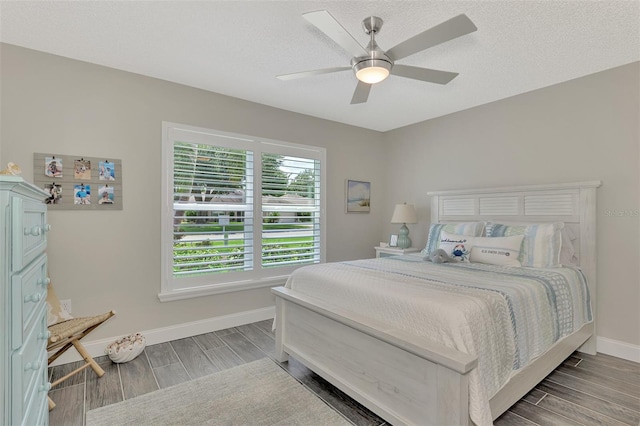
238, 47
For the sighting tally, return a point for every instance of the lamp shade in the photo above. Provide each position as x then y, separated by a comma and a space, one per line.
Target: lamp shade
404, 213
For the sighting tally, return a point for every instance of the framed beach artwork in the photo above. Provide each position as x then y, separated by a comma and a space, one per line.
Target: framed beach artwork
358, 198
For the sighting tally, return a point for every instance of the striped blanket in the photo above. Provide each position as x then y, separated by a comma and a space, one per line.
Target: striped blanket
505, 316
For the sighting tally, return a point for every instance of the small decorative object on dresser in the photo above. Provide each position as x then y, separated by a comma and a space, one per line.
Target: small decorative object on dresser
12, 169
23, 314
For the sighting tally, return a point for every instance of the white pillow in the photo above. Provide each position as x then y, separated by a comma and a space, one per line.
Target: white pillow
502, 251
495, 251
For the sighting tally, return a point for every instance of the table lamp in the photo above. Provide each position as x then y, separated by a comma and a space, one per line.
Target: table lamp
404, 213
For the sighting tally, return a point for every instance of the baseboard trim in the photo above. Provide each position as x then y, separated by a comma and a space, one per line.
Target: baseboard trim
173, 332
619, 349
180, 331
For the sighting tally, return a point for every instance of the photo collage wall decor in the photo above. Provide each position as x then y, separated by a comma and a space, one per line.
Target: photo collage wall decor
79, 182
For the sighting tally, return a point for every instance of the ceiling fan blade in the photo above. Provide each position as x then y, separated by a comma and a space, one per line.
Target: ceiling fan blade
311, 73
361, 93
448, 30
424, 74
328, 25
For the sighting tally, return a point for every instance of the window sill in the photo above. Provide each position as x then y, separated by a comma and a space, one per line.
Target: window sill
189, 293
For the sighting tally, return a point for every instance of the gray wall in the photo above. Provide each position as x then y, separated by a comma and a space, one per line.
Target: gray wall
111, 260
584, 129
580, 130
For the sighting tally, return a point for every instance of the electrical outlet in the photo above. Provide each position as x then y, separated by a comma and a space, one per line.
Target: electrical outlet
66, 305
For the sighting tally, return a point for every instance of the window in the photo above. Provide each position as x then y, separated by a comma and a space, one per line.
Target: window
238, 212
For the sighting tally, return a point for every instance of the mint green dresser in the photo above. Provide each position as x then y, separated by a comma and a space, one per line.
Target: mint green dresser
23, 315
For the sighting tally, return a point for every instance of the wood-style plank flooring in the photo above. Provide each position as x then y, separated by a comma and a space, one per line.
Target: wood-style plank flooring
584, 390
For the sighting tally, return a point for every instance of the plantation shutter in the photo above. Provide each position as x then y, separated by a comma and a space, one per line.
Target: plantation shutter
213, 209
237, 212
290, 210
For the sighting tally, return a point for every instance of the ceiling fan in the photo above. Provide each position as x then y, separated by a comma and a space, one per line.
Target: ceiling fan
372, 65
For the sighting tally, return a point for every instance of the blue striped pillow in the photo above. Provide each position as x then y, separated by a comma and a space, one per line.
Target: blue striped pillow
540, 246
471, 229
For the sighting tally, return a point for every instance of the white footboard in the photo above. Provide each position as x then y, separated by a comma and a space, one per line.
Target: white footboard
402, 378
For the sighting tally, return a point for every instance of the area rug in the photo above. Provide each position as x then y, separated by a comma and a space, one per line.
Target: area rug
258, 393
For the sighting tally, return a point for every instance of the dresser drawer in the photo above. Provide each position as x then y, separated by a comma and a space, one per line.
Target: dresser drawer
28, 296
29, 373
38, 411
28, 230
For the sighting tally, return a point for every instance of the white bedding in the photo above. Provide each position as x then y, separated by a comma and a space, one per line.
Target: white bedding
506, 316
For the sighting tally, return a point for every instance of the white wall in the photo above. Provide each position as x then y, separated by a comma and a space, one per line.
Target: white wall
584, 129
111, 260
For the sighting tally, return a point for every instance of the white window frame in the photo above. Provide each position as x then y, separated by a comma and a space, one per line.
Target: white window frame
172, 289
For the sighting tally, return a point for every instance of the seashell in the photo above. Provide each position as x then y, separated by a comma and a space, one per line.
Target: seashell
126, 348
12, 169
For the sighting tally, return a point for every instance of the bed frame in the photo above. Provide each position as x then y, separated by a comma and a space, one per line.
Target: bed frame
410, 380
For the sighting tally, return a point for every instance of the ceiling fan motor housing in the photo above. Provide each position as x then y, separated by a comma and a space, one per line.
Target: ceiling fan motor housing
372, 24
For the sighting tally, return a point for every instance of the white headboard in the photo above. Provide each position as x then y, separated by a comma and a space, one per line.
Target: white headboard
571, 203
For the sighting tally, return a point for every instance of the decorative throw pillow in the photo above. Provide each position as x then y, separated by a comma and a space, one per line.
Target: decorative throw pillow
474, 229
55, 312
456, 246
502, 251
541, 243
495, 251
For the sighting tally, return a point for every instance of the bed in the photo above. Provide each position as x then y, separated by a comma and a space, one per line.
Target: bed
409, 378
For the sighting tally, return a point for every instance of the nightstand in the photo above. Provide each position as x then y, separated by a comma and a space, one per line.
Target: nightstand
394, 251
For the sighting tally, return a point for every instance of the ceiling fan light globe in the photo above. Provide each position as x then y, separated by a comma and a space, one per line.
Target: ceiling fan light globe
372, 75
372, 71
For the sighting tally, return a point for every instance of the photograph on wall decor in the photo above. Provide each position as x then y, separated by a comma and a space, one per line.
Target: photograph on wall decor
358, 196
106, 194
82, 194
53, 167
82, 169
107, 170
55, 193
